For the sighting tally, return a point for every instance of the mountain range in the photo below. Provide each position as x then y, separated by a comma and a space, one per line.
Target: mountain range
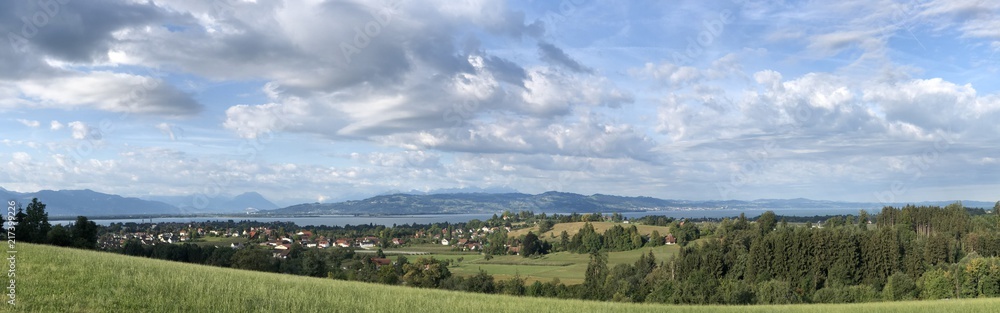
562, 202
91, 203
197, 204
88, 202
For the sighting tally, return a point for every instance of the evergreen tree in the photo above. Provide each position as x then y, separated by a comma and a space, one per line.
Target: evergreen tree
530, 245
564, 242
655, 239
863, 220
766, 222
35, 223
84, 233
594, 278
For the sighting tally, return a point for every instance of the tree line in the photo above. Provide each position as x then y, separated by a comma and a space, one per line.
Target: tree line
32, 225
908, 253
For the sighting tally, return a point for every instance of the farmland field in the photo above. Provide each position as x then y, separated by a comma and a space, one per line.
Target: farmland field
52, 279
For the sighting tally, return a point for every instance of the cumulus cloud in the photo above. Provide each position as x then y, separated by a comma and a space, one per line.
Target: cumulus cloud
55, 125
417, 104
80, 130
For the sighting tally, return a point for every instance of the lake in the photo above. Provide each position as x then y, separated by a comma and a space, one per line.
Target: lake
455, 218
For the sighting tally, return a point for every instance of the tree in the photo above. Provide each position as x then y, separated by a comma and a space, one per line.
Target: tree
313, 263
34, 226
899, 287
587, 240
387, 275
481, 282
685, 232
766, 222
698, 288
937, 284
545, 226
495, 243
564, 241
59, 236
252, 258
655, 239
775, 292
134, 248
530, 245
513, 286
597, 272
425, 273
220, 257
996, 208
734, 291
84, 233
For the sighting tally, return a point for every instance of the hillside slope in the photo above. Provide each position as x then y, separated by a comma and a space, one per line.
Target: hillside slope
52, 279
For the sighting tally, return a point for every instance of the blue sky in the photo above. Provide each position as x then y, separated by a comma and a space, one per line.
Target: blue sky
314, 100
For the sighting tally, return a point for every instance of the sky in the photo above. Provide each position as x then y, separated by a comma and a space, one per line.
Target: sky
320, 101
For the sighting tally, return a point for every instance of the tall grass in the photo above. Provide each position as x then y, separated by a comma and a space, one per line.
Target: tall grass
52, 279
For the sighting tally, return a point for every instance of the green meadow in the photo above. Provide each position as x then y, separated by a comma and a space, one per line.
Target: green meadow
568, 267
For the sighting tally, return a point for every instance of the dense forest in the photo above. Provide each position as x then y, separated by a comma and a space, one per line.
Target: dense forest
906, 253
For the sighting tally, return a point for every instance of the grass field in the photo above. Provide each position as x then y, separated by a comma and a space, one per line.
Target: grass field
51, 279
429, 248
568, 267
573, 228
209, 241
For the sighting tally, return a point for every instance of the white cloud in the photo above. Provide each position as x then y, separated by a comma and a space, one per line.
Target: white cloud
108, 91
678, 76
932, 104
55, 125
80, 130
29, 123
170, 130
405, 159
20, 158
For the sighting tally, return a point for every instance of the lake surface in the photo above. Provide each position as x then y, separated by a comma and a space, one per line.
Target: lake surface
455, 218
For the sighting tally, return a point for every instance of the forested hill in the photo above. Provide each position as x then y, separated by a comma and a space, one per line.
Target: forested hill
557, 202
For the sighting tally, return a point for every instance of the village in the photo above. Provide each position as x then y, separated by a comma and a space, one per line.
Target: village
280, 241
